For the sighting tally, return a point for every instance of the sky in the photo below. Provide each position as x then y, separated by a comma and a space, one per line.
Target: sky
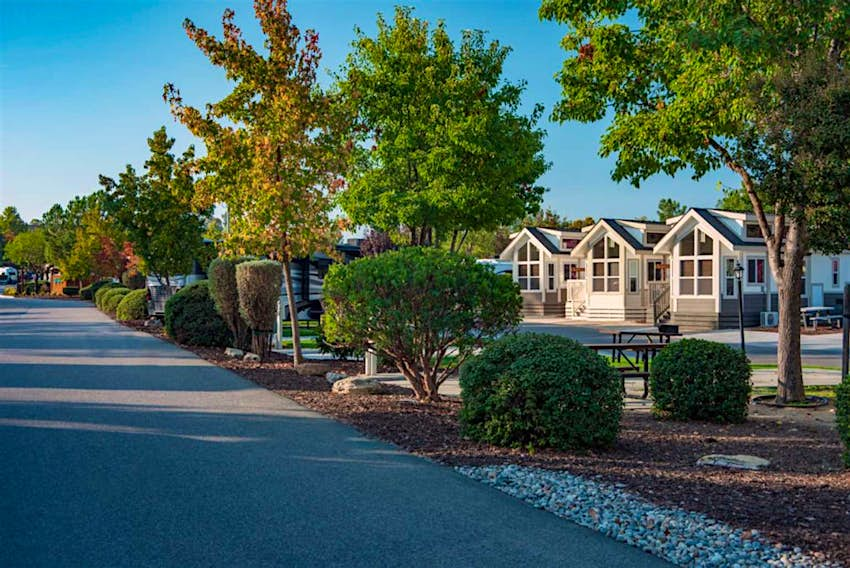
81, 91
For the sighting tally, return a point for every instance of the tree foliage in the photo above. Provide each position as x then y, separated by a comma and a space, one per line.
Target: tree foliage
275, 144
705, 85
735, 200
669, 208
27, 250
155, 209
442, 146
415, 305
11, 224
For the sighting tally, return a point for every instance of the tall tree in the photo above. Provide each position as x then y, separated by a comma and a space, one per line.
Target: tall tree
668, 207
11, 224
735, 200
155, 209
695, 84
61, 226
27, 251
443, 148
276, 146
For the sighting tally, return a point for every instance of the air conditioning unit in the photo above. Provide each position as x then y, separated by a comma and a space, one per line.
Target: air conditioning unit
769, 319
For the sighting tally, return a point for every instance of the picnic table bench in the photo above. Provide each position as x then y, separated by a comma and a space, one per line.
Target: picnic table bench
831, 320
638, 368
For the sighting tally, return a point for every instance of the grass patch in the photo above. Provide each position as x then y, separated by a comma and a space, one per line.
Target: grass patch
755, 366
825, 391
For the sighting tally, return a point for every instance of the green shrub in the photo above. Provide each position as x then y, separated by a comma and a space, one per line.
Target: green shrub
225, 294
88, 292
191, 318
336, 350
842, 415
71, 290
103, 289
416, 304
134, 306
258, 284
540, 390
695, 379
10, 291
110, 300
133, 280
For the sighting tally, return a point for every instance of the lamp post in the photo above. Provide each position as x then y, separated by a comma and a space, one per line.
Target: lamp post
739, 276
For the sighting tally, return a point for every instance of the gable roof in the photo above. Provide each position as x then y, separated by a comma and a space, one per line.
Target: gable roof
544, 240
721, 228
626, 235
711, 223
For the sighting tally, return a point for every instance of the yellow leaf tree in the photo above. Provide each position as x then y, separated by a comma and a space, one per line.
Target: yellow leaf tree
276, 145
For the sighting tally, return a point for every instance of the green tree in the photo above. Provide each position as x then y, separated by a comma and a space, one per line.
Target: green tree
11, 224
670, 208
155, 209
735, 200
443, 149
703, 85
61, 227
27, 250
276, 147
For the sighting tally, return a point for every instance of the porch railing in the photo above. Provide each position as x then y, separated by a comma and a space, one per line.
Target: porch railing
576, 297
659, 294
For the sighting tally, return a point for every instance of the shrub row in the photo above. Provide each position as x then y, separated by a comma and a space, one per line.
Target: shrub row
133, 306
191, 317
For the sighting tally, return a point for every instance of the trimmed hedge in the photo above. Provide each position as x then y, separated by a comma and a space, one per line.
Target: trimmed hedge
842, 415
88, 292
695, 379
191, 317
133, 280
106, 287
70, 290
134, 306
538, 390
109, 301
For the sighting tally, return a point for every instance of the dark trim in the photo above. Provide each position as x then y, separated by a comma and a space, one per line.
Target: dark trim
626, 235
541, 238
721, 228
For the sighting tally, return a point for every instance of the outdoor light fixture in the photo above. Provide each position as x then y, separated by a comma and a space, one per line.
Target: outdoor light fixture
739, 277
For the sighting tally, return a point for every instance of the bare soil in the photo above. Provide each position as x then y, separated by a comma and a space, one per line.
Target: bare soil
802, 499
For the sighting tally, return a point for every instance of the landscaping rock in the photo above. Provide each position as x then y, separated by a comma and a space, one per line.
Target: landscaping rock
251, 357
153, 323
233, 352
333, 377
738, 461
359, 385
313, 368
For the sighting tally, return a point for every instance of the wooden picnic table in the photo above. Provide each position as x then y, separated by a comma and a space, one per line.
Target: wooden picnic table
638, 368
813, 314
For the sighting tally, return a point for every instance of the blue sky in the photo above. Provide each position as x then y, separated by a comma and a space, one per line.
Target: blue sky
81, 85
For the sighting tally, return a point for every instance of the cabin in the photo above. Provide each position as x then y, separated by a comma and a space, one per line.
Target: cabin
681, 270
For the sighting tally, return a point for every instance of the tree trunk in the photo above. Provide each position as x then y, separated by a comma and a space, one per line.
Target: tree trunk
790, 386
293, 314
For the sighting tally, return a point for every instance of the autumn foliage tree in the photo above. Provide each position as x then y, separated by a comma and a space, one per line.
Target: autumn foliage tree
276, 148
756, 87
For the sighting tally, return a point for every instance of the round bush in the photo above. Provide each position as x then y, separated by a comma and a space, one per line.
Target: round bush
133, 280
103, 289
539, 390
109, 301
88, 292
695, 379
134, 306
191, 317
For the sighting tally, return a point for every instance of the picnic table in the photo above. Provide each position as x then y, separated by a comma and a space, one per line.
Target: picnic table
815, 314
652, 334
637, 368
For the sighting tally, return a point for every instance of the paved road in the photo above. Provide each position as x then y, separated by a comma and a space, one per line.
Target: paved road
821, 350
122, 450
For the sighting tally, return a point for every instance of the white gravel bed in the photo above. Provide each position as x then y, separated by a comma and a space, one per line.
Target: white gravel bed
682, 537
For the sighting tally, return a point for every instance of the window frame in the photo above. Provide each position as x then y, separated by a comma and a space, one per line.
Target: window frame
757, 259
525, 276
835, 271
696, 259
609, 279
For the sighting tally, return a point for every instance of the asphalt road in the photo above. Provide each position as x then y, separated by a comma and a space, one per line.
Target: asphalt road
121, 450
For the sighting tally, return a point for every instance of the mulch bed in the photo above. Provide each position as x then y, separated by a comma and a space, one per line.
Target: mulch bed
802, 499
821, 330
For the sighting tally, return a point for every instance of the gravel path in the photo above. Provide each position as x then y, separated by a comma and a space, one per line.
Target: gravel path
684, 538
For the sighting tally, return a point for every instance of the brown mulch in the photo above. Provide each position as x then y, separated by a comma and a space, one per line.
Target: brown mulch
821, 330
802, 499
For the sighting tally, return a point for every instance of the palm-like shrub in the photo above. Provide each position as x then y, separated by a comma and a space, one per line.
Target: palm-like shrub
225, 294
695, 379
258, 286
191, 318
416, 305
112, 298
540, 390
133, 306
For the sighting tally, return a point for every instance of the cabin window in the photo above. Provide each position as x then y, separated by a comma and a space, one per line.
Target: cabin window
753, 231
633, 275
571, 271
528, 267
550, 276
696, 264
653, 238
729, 277
655, 271
606, 266
836, 272
755, 271
569, 244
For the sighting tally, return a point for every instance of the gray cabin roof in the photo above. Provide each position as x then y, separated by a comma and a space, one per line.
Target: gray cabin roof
626, 235
721, 228
544, 240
